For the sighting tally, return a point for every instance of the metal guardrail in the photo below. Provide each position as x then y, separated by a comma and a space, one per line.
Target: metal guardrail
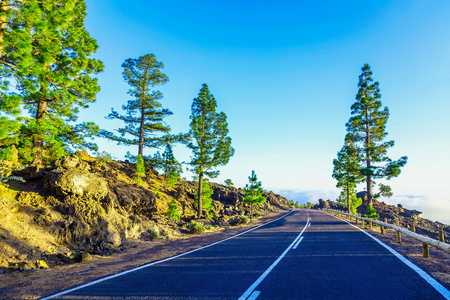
426, 241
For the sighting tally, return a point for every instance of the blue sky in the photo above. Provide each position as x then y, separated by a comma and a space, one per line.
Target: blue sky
286, 74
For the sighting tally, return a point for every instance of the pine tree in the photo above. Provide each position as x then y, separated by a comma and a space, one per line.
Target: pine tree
229, 183
144, 117
45, 51
210, 143
171, 166
347, 173
367, 131
253, 193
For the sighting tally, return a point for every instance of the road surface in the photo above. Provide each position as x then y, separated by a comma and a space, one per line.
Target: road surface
306, 254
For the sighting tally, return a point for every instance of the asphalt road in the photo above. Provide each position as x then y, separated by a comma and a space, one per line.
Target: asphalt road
304, 255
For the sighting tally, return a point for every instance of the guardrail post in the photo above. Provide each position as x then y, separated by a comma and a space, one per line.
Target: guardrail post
356, 220
425, 250
370, 225
382, 229
362, 223
441, 235
413, 227
399, 234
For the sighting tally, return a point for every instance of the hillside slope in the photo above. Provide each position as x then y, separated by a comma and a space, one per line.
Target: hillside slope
80, 206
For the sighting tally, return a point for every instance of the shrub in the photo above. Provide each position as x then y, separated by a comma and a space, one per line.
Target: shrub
371, 213
104, 158
256, 213
195, 228
173, 211
238, 220
154, 235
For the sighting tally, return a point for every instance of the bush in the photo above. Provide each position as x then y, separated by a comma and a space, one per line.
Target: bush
371, 213
195, 228
104, 158
238, 220
154, 235
256, 214
173, 212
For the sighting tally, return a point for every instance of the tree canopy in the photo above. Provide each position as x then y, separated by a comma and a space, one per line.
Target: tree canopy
144, 116
46, 52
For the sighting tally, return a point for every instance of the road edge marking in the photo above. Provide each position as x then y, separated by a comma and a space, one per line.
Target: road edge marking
433, 282
250, 290
158, 261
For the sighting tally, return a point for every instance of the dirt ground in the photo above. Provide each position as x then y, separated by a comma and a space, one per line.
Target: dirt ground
44, 282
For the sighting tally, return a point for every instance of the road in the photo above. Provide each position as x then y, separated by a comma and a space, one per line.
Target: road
306, 254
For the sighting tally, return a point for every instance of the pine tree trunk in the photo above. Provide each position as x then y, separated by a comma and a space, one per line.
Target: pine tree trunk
38, 142
200, 186
251, 212
368, 176
3, 9
348, 200
141, 132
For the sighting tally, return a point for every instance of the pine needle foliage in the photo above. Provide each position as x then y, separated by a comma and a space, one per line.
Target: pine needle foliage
347, 173
45, 51
172, 211
139, 170
210, 143
253, 193
367, 132
144, 118
206, 196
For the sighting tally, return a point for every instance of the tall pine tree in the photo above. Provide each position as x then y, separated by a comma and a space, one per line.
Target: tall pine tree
144, 117
367, 131
210, 143
45, 52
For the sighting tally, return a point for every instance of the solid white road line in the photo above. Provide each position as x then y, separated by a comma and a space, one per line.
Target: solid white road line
296, 245
254, 295
440, 288
266, 272
157, 262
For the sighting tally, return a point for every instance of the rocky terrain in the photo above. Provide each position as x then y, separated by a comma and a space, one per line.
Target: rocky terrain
80, 206
393, 212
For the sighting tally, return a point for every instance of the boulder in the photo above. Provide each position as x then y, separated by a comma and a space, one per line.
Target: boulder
76, 183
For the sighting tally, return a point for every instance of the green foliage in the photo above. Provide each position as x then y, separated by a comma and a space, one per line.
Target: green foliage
347, 173
170, 166
46, 69
253, 193
206, 196
307, 205
154, 235
371, 213
367, 132
158, 194
195, 228
210, 143
139, 170
104, 158
172, 212
229, 183
238, 220
172, 179
144, 116
385, 191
